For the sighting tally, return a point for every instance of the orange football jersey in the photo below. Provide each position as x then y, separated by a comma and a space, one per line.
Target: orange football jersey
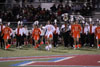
76, 29
6, 32
36, 33
97, 32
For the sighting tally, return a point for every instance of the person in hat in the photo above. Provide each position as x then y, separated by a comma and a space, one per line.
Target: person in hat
86, 34
65, 18
82, 35
55, 35
65, 32
18, 36
91, 32
23, 36
26, 35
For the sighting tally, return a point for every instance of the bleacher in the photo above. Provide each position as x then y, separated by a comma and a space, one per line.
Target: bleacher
9, 4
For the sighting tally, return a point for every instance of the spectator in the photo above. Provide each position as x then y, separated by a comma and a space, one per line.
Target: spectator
53, 8
31, 13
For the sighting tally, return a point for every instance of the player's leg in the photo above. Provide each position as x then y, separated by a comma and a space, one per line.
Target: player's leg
92, 40
77, 40
36, 42
50, 43
46, 39
75, 44
47, 46
17, 41
98, 46
5, 43
0, 42
71, 41
54, 40
41, 40
78, 43
97, 43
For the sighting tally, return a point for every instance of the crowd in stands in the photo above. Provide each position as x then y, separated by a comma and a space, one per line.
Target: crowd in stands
28, 13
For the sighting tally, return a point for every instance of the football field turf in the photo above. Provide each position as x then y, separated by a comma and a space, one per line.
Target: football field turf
29, 51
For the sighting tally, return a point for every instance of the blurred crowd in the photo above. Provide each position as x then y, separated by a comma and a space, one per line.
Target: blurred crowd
29, 13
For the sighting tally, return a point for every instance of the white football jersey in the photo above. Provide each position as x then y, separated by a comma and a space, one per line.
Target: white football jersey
49, 29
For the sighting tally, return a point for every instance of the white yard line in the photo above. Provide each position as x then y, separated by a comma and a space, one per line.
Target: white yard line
27, 63
66, 58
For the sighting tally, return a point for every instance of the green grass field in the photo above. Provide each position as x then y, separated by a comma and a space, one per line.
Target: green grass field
30, 51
